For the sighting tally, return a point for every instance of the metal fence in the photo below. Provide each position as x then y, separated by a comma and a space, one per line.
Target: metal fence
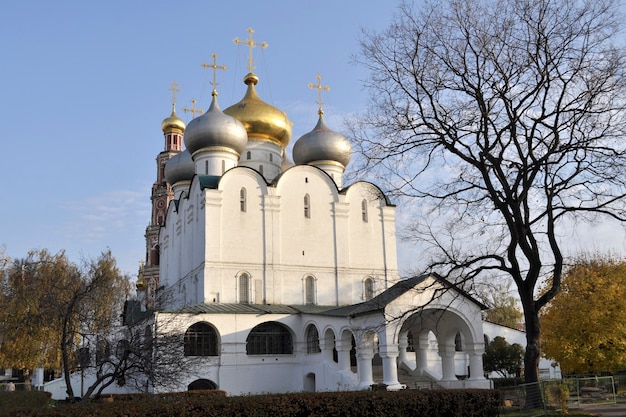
534, 400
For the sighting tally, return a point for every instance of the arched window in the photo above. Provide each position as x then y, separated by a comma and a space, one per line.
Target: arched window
368, 289
364, 210
307, 206
309, 290
458, 342
201, 340
312, 339
269, 338
243, 206
244, 288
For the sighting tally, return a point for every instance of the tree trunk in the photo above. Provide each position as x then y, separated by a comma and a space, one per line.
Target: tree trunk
531, 358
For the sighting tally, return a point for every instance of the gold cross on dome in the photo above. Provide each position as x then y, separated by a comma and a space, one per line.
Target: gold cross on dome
251, 44
174, 89
319, 87
215, 68
193, 109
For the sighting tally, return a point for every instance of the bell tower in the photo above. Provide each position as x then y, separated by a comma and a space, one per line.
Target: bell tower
173, 128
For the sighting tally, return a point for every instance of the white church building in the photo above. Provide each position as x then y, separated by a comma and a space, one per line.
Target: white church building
281, 277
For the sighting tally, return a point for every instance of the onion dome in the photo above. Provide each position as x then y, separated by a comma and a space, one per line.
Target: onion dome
321, 145
141, 281
214, 129
260, 119
173, 123
179, 168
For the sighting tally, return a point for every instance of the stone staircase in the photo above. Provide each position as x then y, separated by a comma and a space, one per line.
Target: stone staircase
404, 377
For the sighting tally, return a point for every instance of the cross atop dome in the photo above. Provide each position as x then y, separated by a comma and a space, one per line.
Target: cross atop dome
215, 67
174, 89
319, 88
251, 44
193, 109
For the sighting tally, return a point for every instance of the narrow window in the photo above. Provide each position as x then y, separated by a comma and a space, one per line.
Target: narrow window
242, 200
458, 342
244, 289
364, 210
368, 289
223, 166
206, 167
261, 169
312, 339
248, 155
309, 290
271, 158
307, 206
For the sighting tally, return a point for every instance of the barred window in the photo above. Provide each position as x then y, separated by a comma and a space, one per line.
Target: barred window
364, 210
269, 338
312, 339
307, 206
368, 289
309, 290
244, 288
201, 340
243, 201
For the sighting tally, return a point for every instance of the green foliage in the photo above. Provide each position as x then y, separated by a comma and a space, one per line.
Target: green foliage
431, 403
502, 357
503, 307
585, 325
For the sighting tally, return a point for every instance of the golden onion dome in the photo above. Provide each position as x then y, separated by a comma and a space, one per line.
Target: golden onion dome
141, 281
173, 123
260, 119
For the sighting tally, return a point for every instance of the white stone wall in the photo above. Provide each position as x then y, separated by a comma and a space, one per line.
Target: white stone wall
207, 241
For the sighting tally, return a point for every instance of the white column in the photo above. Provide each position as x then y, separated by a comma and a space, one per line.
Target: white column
343, 354
421, 354
389, 355
327, 349
476, 365
447, 364
404, 343
364, 367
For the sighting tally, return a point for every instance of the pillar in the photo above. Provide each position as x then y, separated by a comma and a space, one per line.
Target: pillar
389, 355
364, 367
447, 364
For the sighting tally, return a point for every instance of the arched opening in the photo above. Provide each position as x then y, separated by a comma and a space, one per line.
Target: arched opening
312, 339
269, 338
309, 382
201, 384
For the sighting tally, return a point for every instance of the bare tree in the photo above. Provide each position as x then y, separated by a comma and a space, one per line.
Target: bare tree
503, 122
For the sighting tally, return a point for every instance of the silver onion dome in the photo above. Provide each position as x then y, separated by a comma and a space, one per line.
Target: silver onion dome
322, 144
179, 168
214, 130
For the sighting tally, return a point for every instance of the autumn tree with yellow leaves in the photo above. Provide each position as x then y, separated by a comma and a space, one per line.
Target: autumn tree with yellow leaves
584, 327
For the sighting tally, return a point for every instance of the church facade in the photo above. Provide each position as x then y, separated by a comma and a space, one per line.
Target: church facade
281, 277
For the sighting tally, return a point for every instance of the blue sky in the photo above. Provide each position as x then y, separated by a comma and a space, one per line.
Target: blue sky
85, 88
